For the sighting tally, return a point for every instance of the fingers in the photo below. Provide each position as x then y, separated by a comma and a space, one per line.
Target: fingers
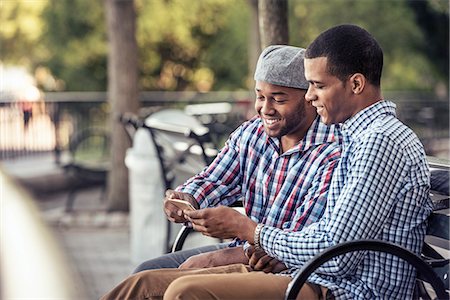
199, 214
212, 228
262, 262
269, 267
277, 266
198, 221
200, 228
212, 231
255, 256
173, 213
220, 222
169, 193
249, 251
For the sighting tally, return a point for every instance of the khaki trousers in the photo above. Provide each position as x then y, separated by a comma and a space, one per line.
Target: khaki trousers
226, 282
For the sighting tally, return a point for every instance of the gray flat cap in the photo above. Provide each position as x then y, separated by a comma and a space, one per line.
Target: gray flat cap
282, 65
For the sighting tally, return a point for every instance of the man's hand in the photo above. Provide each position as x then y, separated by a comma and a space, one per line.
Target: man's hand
221, 257
173, 213
222, 222
260, 261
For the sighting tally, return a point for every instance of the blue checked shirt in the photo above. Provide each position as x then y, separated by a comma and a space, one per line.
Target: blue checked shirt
379, 191
286, 190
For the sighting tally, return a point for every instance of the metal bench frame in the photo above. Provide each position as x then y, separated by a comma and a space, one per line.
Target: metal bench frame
87, 174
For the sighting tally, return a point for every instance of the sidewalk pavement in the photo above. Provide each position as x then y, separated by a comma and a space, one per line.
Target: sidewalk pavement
96, 242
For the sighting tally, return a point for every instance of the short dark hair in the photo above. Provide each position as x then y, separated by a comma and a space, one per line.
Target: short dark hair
349, 49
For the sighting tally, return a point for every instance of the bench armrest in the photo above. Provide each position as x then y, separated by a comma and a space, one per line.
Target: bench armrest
360, 245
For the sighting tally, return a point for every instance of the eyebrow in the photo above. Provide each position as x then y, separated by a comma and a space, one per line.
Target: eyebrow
274, 93
315, 81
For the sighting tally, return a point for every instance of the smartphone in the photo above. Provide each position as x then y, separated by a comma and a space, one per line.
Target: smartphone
181, 204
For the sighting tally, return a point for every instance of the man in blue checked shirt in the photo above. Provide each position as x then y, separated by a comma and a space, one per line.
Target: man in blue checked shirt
279, 162
379, 190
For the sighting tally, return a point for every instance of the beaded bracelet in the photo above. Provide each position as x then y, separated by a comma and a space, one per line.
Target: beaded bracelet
256, 236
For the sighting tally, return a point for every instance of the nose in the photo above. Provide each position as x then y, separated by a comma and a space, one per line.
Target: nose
266, 107
309, 96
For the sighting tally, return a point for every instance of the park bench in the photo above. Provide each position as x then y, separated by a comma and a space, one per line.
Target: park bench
88, 162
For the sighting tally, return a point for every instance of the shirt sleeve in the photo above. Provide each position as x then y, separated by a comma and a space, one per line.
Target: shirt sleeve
220, 182
373, 184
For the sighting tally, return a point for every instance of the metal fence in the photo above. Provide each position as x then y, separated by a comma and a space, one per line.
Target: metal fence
47, 126
29, 129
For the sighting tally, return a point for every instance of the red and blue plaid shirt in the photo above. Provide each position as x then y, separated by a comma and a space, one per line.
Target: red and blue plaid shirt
286, 191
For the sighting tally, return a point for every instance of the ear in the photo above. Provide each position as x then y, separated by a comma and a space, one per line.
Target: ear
357, 83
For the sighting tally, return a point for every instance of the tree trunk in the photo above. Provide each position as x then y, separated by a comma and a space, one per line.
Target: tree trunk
254, 42
122, 93
273, 22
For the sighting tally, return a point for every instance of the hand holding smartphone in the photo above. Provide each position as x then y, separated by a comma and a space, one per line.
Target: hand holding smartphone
181, 204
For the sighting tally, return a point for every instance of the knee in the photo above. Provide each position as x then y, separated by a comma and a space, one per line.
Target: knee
133, 287
154, 264
186, 287
142, 267
171, 260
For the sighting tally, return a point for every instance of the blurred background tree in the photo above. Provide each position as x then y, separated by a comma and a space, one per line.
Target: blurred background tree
21, 32
189, 44
123, 93
409, 65
273, 22
212, 45
75, 36
203, 45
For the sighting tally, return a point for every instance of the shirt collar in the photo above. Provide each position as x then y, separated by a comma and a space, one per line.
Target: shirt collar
317, 134
359, 122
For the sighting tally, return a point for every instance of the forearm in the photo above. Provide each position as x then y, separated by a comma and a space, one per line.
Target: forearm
219, 183
294, 249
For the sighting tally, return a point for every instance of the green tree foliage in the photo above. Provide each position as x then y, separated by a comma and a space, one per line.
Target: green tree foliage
20, 32
433, 19
227, 54
407, 66
191, 44
202, 45
76, 38
183, 45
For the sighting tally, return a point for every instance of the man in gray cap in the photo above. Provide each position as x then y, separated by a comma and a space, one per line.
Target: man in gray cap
279, 163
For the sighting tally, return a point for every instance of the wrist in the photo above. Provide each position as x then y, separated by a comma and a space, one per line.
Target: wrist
256, 236
247, 232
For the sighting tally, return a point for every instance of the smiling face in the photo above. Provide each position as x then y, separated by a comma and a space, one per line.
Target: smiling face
284, 111
330, 96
